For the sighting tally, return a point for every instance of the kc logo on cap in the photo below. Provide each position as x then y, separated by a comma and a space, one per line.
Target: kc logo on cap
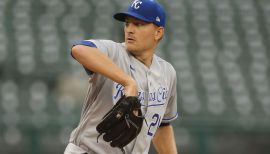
136, 4
146, 10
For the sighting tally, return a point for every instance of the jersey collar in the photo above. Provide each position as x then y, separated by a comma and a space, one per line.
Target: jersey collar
155, 67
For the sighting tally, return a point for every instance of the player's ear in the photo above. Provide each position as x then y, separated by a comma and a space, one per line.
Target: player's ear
159, 33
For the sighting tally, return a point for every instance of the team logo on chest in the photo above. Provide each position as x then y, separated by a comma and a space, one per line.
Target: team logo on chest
118, 91
157, 96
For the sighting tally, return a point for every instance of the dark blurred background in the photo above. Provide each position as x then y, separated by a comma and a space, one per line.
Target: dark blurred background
219, 48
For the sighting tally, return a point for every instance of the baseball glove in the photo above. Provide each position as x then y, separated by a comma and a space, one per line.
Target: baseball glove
122, 123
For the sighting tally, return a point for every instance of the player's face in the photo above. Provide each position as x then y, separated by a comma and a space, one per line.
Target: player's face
141, 36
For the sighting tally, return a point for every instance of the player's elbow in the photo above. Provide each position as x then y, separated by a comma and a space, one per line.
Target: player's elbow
81, 51
76, 51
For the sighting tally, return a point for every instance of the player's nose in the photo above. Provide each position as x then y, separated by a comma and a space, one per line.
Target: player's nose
130, 28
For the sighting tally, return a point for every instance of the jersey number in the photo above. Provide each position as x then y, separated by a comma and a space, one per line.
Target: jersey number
156, 121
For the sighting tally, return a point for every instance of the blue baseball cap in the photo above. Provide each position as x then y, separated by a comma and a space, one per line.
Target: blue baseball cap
146, 10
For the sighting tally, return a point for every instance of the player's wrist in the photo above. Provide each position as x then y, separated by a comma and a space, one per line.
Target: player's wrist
129, 81
130, 87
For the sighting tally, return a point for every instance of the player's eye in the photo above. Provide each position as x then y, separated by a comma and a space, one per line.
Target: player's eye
138, 24
127, 24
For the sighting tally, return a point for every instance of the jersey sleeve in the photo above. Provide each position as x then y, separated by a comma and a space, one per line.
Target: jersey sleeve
108, 47
171, 110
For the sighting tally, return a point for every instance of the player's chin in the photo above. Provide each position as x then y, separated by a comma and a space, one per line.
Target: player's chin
131, 47
130, 43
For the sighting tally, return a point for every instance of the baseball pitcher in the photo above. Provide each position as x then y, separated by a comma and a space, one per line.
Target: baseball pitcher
132, 96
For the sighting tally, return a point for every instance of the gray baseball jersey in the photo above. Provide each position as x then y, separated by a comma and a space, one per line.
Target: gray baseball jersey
156, 90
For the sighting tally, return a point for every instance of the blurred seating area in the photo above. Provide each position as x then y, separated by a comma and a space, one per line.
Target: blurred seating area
219, 48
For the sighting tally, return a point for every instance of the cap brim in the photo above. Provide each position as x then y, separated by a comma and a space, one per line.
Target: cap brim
122, 16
